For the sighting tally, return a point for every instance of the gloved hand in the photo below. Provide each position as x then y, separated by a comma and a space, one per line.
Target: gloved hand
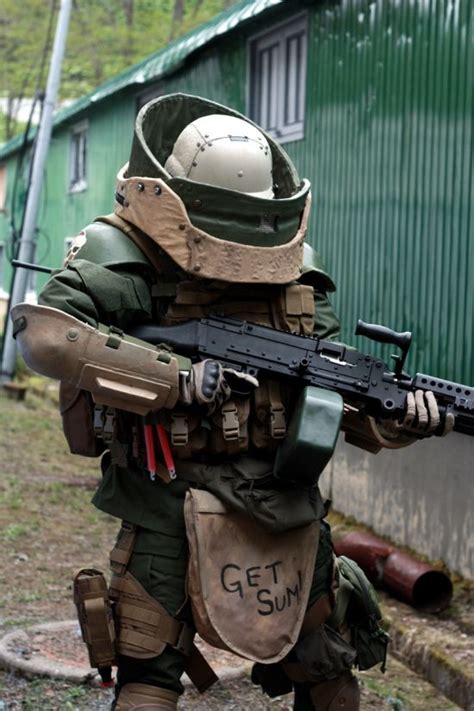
421, 420
208, 383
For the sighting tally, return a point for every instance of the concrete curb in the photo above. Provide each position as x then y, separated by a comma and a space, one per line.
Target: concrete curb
426, 653
20, 640
422, 655
40, 665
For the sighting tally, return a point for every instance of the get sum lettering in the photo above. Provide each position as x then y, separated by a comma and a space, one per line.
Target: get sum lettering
264, 583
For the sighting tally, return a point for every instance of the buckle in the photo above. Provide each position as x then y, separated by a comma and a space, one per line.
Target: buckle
98, 420
277, 422
115, 337
179, 430
109, 425
230, 422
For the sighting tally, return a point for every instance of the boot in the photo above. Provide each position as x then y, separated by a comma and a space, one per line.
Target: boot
144, 697
341, 694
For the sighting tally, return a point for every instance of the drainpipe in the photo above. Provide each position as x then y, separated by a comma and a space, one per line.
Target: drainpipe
412, 581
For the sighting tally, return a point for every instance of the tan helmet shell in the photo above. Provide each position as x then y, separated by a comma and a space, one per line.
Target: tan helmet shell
225, 151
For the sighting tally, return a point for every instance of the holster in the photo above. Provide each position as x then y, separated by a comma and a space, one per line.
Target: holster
95, 616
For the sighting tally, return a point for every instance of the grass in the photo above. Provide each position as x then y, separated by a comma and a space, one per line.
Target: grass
48, 529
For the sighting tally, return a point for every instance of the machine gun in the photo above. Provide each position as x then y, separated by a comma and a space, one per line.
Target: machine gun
362, 380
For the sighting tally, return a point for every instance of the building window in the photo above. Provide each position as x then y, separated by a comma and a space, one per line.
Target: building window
78, 158
278, 79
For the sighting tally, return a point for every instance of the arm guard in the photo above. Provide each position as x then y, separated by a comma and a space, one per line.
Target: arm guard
117, 370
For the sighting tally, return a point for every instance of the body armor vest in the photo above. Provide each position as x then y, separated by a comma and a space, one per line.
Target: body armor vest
241, 424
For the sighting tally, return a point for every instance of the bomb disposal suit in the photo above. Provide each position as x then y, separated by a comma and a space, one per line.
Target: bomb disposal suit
210, 219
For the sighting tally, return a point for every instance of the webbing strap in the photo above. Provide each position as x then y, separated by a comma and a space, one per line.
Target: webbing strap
122, 551
140, 640
199, 670
97, 628
165, 627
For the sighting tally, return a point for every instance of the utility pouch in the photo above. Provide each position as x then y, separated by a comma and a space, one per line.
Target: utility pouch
249, 588
324, 654
363, 617
77, 412
95, 616
311, 437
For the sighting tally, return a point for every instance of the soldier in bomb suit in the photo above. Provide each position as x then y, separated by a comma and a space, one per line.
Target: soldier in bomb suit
210, 218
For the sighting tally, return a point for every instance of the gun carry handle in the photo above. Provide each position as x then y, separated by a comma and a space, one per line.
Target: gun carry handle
382, 334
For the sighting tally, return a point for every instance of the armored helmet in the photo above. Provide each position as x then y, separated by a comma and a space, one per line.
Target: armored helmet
224, 151
214, 222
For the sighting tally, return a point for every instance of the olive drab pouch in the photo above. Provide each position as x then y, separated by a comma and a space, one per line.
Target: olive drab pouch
363, 616
95, 616
77, 412
249, 589
311, 438
294, 310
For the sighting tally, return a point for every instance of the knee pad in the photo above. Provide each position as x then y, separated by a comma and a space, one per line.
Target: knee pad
144, 697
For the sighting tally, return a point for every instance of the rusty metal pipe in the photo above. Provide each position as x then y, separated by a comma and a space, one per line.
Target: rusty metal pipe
417, 583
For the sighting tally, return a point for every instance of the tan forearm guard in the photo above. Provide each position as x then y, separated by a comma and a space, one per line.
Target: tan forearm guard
118, 371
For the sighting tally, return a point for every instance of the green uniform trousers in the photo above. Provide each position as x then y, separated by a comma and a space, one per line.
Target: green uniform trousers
159, 563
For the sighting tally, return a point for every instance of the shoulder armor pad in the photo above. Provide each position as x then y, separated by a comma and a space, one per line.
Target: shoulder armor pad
314, 272
108, 246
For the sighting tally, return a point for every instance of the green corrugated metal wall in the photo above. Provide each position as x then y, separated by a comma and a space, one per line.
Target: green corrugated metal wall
388, 147
109, 140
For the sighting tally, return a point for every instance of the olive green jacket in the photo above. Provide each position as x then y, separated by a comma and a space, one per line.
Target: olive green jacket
110, 282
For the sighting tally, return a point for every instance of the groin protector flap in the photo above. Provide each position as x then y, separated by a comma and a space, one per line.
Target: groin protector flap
249, 589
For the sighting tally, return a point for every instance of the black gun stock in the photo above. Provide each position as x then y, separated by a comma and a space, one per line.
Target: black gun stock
362, 380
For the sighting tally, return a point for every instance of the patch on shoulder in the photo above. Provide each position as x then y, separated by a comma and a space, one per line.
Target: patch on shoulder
76, 244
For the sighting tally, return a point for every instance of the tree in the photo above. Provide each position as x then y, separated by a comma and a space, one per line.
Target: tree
178, 16
105, 37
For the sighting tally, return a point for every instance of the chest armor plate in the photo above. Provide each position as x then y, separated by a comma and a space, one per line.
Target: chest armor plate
241, 424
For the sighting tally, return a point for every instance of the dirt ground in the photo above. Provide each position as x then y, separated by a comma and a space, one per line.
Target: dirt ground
48, 529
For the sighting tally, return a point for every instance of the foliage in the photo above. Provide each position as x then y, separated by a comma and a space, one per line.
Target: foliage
105, 37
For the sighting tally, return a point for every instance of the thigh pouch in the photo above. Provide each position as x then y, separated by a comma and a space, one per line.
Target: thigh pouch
144, 629
95, 619
249, 588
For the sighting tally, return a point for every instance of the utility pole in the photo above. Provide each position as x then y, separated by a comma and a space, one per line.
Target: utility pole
28, 234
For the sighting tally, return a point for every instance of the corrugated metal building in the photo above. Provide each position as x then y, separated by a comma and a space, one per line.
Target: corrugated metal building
373, 101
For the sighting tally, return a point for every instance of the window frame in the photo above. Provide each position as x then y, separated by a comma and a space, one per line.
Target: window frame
3, 253
3, 187
77, 185
279, 33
